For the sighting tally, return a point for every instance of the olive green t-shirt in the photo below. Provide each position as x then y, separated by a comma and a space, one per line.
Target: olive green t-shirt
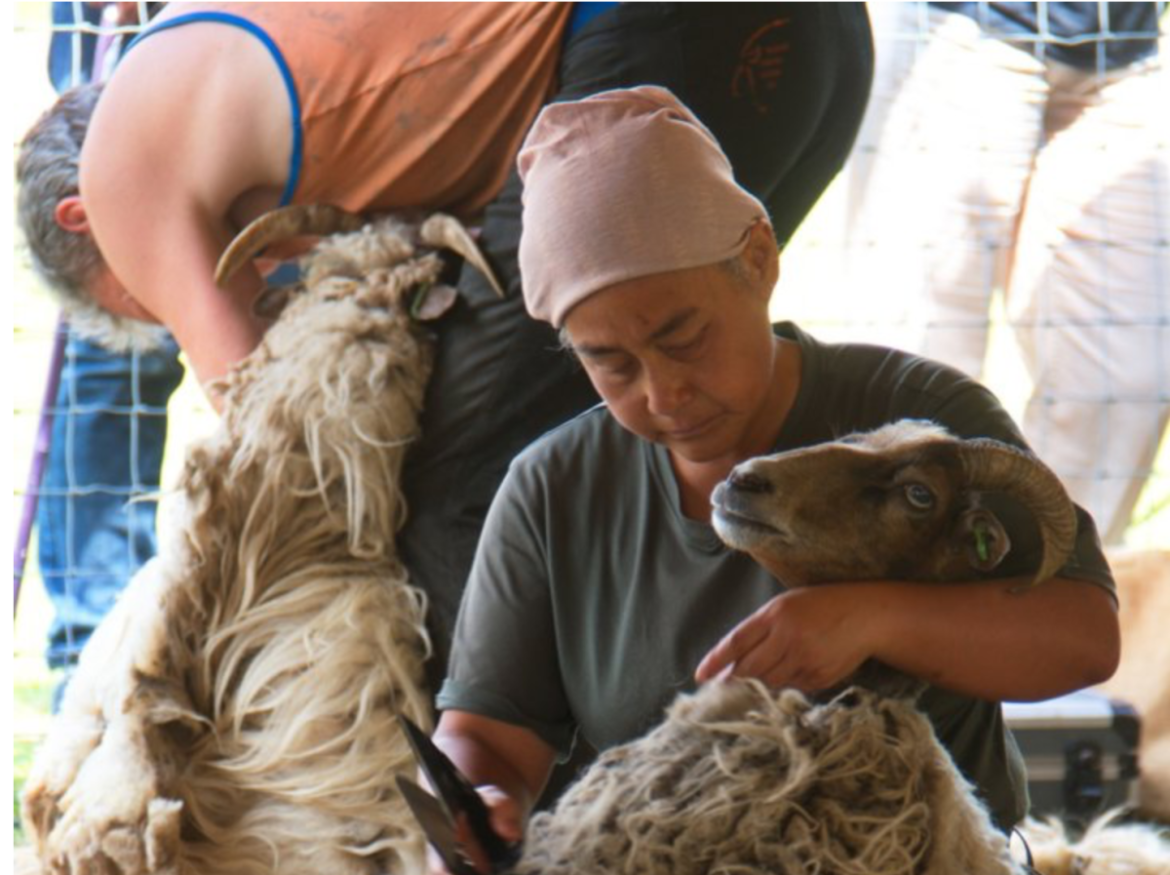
592, 598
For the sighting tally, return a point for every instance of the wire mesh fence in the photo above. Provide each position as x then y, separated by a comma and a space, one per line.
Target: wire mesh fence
1005, 210
90, 425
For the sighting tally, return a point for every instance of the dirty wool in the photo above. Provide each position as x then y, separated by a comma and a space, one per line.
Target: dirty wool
740, 779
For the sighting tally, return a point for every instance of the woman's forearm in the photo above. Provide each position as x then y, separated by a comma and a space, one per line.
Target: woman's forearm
997, 641
492, 753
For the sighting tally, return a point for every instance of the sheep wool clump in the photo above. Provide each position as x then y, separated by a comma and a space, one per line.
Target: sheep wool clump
236, 713
740, 779
1107, 847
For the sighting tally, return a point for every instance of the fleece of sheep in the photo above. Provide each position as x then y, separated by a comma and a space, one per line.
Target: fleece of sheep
236, 712
741, 779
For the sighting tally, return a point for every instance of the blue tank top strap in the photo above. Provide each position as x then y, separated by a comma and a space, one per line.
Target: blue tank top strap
582, 14
294, 164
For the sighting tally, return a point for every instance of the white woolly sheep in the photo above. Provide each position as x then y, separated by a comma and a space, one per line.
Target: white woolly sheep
1107, 847
235, 712
740, 779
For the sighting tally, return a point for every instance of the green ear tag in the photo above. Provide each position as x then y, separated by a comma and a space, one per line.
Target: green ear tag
419, 299
981, 541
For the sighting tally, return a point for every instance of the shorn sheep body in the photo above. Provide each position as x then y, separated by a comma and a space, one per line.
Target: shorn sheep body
236, 712
740, 779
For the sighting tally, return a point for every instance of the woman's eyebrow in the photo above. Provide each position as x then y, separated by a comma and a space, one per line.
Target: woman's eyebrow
672, 324
596, 352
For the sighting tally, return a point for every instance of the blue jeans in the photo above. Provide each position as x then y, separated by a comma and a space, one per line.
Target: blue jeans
107, 445
63, 43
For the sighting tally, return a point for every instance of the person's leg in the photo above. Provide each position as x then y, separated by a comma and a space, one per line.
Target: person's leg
781, 86
932, 232
109, 429
1090, 292
71, 49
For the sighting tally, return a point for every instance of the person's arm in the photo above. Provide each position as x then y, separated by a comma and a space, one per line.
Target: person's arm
176, 145
508, 764
977, 638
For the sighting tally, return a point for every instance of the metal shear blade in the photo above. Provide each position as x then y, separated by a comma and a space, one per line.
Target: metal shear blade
456, 797
436, 826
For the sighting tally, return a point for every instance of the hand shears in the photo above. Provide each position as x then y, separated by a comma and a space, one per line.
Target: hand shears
456, 797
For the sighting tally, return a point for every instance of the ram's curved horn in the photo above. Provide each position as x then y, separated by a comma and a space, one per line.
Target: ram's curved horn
283, 224
990, 465
448, 233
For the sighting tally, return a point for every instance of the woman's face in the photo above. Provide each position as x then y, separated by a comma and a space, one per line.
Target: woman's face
686, 359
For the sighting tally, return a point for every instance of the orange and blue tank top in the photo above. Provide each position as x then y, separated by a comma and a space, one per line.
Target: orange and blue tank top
401, 105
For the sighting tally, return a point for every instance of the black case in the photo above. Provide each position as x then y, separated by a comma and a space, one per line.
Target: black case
1080, 751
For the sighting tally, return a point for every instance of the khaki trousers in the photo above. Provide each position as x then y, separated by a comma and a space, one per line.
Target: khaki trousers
995, 170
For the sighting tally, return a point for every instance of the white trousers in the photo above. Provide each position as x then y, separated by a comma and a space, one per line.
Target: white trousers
992, 170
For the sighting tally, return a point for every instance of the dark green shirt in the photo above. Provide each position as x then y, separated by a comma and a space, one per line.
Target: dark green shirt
592, 598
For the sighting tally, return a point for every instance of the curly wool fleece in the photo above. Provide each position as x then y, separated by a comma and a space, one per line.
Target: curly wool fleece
236, 713
739, 779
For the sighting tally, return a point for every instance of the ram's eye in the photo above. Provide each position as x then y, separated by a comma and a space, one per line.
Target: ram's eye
919, 496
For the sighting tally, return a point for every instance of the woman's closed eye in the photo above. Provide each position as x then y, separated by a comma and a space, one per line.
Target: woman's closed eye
687, 347
613, 366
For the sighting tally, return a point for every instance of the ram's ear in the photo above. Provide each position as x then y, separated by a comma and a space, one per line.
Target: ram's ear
983, 538
270, 303
431, 302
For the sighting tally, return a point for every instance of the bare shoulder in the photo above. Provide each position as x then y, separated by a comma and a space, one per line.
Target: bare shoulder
194, 121
198, 113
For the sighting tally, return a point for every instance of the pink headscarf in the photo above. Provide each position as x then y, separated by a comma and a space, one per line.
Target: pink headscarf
620, 185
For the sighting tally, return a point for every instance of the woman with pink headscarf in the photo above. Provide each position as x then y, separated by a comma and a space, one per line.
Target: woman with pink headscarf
600, 590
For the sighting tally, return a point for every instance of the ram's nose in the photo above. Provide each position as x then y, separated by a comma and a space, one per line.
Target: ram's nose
746, 481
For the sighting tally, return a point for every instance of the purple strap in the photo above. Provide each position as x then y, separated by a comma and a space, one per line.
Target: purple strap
36, 469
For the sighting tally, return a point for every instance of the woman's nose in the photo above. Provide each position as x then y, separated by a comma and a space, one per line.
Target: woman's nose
668, 389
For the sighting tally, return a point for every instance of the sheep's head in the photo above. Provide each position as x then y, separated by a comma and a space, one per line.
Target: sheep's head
900, 502
337, 383
354, 247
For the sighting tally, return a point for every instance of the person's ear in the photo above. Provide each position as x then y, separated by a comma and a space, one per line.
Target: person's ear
70, 215
762, 255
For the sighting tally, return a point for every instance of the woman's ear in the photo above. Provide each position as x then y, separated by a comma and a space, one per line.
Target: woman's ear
70, 215
762, 255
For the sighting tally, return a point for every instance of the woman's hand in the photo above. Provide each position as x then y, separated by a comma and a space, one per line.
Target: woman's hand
506, 816
810, 638
986, 639
508, 764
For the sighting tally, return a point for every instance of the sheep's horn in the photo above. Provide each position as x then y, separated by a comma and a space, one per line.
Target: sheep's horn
447, 232
282, 224
990, 465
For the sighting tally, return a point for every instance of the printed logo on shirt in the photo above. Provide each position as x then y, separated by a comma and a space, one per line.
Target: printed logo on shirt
761, 65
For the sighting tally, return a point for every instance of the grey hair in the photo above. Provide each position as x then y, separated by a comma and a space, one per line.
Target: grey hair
737, 269
565, 341
47, 172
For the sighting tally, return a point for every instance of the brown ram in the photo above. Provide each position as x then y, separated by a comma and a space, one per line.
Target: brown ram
741, 778
901, 502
